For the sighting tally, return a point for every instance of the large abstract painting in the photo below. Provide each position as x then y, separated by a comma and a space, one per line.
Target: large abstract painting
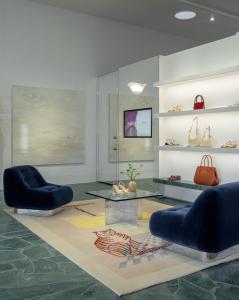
132, 149
48, 126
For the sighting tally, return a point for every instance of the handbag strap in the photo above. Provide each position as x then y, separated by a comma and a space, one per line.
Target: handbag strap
209, 132
210, 160
194, 119
204, 133
203, 160
206, 158
201, 99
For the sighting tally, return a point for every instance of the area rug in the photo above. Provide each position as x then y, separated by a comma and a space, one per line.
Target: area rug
125, 258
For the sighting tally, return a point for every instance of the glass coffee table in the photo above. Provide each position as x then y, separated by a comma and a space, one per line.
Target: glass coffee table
123, 208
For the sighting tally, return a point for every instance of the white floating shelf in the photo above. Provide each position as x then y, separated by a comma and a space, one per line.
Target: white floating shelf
211, 110
196, 77
198, 149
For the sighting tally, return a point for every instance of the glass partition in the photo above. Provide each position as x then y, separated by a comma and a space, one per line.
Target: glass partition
107, 128
127, 129
138, 133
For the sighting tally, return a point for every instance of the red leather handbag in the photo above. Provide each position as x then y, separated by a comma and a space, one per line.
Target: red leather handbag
199, 104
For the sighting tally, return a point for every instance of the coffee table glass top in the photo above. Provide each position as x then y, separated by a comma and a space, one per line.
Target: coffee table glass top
112, 196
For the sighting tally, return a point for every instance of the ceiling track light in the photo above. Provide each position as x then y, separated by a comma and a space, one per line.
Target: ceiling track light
211, 9
212, 17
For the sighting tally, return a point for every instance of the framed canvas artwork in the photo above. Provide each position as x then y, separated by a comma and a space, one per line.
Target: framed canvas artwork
129, 143
138, 123
48, 126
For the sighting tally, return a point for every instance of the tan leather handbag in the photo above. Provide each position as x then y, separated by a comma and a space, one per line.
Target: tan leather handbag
206, 174
207, 139
194, 141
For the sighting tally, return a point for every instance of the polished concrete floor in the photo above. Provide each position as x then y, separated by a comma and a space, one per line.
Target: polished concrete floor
31, 269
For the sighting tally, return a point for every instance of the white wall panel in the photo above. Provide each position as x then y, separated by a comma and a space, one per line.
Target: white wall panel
220, 91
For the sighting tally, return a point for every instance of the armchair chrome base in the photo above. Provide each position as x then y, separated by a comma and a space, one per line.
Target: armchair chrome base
38, 213
204, 257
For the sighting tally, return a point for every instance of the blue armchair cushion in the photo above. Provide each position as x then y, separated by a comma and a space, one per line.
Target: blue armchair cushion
24, 187
211, 224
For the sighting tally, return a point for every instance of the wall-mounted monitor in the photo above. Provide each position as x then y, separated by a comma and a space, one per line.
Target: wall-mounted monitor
138, 123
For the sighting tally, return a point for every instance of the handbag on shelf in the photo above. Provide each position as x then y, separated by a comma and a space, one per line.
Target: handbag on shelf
207, 139
206, 174
199, 102
194, 141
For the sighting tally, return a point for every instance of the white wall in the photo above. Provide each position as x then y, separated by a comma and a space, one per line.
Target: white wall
49, 47
201, 59
40, 47
220, 91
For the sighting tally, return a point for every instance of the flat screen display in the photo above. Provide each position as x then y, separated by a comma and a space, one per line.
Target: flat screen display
138, 123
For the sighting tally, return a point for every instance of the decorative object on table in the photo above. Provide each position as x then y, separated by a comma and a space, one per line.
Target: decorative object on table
229, 144
132, 173
206, 173
175, 177
120, 189
194, 141
132, 186
171, 142
207, 139
199, 102
176, 108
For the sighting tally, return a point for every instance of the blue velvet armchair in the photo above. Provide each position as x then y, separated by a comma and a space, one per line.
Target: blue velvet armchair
210, 225
25, 188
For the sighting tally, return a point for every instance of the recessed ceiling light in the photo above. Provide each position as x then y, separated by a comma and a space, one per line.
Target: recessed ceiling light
185, 15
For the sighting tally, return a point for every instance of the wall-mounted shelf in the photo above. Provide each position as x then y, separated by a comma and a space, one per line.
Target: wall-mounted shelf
198, 149
181, 183
211, 110
196, 77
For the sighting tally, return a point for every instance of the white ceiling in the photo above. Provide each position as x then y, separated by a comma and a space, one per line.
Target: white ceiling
159, 15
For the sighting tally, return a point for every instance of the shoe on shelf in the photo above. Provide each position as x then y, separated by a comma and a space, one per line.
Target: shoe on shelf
229, 144
171, 142
175, 177
176, 108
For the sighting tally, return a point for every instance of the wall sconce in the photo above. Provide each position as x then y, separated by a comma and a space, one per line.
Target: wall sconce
136, 88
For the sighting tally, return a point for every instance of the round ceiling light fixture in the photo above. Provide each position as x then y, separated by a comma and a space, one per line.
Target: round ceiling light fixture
185, 15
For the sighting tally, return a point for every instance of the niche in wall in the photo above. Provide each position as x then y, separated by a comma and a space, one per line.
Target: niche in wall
130, 149
48, 126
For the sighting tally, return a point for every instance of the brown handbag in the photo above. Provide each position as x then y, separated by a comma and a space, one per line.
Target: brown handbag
206, 174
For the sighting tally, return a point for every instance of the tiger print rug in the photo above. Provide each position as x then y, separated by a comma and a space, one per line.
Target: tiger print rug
124, 257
